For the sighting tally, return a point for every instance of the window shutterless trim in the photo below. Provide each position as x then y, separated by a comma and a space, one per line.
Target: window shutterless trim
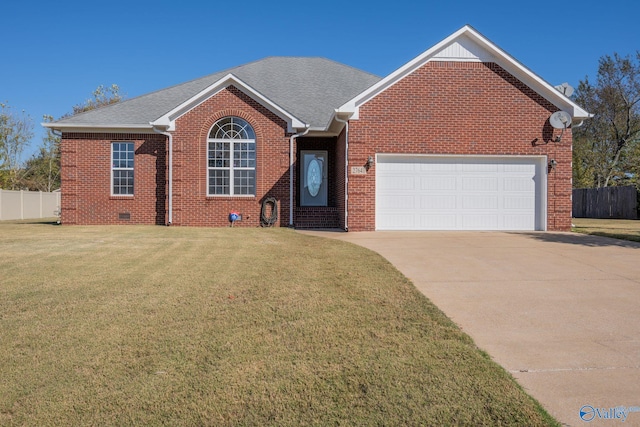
122, 160
231, 148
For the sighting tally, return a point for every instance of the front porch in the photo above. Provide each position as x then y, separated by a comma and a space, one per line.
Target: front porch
317, 217
319, 187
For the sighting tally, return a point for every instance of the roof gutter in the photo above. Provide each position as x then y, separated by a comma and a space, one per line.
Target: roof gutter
97, 127
292, 157
169, 135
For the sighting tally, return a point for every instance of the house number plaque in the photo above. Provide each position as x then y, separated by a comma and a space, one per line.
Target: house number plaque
358, 170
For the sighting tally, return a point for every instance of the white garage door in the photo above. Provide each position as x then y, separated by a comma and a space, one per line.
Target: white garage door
460, 193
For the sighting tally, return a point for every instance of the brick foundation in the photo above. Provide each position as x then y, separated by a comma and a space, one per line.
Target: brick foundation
317, 217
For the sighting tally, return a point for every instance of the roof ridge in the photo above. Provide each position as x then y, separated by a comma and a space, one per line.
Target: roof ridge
272, 76
350, 66
319, 57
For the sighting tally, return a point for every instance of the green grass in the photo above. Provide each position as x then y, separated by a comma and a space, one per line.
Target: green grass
191, 326
623, 229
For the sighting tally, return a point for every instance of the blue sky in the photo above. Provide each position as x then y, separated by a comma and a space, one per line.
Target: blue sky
54, 54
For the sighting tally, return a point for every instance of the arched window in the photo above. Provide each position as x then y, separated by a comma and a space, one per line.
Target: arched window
231, 158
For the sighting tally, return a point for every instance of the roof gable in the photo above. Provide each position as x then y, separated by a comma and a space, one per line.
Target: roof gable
463, 49
467, 45
167, 120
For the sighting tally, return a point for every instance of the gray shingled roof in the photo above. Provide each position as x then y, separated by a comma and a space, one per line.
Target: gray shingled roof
307, 88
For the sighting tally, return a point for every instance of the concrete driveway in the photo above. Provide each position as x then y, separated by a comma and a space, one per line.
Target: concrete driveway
559, 311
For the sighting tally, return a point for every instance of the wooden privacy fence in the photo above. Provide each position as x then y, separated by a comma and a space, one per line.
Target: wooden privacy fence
607, 202
28, 204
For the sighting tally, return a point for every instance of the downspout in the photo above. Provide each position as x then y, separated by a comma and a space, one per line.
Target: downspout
170, 192
291, 162
346, 171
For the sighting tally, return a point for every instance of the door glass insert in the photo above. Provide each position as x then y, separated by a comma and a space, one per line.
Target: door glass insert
313, 178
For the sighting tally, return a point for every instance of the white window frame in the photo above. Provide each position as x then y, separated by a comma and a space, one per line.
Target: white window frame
233, 143
115, 168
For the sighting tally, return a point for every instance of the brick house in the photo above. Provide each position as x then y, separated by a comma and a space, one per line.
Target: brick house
458, 138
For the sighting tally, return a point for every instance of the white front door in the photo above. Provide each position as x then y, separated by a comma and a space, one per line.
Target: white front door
313, 177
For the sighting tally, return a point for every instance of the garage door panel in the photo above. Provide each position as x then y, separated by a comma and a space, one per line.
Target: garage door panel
516, 222
436, 222
441, 167
479, 222
519, 203
401, 182
437, 183
479, 183
402, 165
525, 168
398, 202
398, 221
480, 166
466, 193
471, 202
438, 202
519, 184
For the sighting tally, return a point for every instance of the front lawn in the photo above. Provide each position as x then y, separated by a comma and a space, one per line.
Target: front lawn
191, 326
625, 229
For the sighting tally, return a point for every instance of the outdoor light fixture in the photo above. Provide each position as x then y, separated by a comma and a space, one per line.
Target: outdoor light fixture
553, 164
370, 161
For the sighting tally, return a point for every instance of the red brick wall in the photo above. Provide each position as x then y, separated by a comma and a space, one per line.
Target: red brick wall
86, 180
457, 108
441, 108
86, 176
191, 205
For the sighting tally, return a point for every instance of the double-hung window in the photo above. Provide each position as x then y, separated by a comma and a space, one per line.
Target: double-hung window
122, 168
231, 158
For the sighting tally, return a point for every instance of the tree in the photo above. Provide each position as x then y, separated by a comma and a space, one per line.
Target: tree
102, 96
16, 131
42, 171
583, 163
632, 164
606, 147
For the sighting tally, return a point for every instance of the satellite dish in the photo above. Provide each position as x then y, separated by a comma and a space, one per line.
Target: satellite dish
560, 120
565, 88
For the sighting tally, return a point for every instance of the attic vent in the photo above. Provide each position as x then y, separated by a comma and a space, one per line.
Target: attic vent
124, 216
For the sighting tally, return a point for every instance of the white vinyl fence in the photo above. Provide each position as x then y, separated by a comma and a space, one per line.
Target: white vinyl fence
28, 204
